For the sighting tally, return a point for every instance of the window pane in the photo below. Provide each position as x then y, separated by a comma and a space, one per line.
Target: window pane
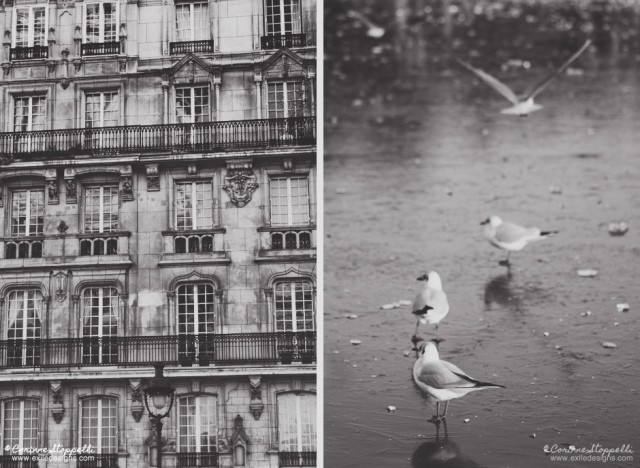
194, 206
27, 212
293, 304
289, 201
101, 209
98, 424
21, 419
197, 424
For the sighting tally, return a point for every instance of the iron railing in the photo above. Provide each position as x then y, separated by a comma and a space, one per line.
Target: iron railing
185, 350
196, 137
189, 459
99, 48
190, 46
18, 461
26, 53
98, 461
290, 459
276, 41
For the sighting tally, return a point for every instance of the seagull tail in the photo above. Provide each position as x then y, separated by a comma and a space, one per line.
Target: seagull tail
548, 233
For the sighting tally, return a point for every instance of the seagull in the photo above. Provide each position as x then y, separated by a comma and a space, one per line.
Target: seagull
511, 237
373, 30
442, 380
525, 106
431, 304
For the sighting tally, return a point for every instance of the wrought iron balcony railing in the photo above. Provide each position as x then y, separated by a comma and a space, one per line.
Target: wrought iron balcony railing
190, 46
173, 350
27, 53
196, 137
99, 48
290, 459
198, 459
276, 41
15, 461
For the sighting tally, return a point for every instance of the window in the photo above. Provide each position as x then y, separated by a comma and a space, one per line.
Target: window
196, 320
294, 306
27, 220
23, 327
285, 99
101, 209
297, 425
194, 206
28, 113
100, 22
289, 200
99, 424
192, 22
100, 326
101, 109
197, 425
20, 418
29, 33
283, 17
192, 104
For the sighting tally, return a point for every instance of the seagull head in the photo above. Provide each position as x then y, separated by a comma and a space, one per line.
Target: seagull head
429, 351
424, 277
493, 220
434, 280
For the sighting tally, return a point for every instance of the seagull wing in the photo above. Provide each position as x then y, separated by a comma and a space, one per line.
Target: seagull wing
438, 375
500, 87
544, 83
509, 232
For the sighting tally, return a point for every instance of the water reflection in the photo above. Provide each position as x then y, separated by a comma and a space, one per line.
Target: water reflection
498, 291
440, 452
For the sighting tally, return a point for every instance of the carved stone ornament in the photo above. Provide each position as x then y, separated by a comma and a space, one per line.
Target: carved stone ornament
137, 407
240, 185
153, 178
57, 409
61, 284
52, 189
256, 406
126, 187
71, 190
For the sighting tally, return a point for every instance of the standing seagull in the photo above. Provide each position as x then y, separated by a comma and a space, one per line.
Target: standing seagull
431, 304
525, 106
511, 237
442, 380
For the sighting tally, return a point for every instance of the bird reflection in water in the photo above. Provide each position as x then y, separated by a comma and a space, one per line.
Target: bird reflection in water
498, 291
441, 452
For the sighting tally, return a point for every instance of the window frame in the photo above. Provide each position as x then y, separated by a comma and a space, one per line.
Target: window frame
196, 313
207, 116
19, 97
282, 23
286, 111
31, 25
299, 433
100, 427
208, 183
192, 22
37, 233
197, 433
289, 206
101, 92
21, 420
101, 22
101, 213
293, 304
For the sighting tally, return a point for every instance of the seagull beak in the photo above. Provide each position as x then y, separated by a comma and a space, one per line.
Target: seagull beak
423, 278
486, 221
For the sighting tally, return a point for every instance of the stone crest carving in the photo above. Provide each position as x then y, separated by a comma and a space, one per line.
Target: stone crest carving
240, 185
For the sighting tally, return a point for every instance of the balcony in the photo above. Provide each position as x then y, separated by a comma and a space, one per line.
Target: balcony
189, 459
296, 459
195, 47
276, 41
179, 138
28, 53
99, 48
173, 350
98, 461
11, 461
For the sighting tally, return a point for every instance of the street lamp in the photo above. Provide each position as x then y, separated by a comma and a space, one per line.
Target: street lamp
159, 391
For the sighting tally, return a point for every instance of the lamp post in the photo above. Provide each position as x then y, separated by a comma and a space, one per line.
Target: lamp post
159, 391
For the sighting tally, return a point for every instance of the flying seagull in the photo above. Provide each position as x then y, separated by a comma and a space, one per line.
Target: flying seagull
523, 106
510, 236
431, 304
373, 30
442, 380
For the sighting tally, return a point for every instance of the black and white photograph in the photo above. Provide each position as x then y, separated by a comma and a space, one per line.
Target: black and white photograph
481, 244
159, 212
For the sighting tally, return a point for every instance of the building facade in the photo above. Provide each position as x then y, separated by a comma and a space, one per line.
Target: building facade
158, 205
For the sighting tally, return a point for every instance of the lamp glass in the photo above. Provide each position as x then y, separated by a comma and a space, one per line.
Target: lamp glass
159, 400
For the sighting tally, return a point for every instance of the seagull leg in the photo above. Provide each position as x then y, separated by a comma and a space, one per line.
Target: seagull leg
437, 340
446, 405
435, 418
415, 338
505, 262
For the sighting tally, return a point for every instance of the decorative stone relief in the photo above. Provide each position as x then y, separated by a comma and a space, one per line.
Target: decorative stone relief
71, 185
239, 442
5, 158
126, 183
52, 186
256, 406
153, 178
137, 407
61, 284
287, 164
240, 183
57, 409
192, 170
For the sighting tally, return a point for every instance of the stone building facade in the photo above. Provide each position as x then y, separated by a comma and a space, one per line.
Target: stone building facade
158, 205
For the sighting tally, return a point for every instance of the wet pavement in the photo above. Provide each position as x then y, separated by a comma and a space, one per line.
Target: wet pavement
414, 160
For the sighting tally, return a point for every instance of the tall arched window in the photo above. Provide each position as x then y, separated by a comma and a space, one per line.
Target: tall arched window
297, 429
293, 305
100, 325
197, 430
196, 320
99, 426
23, 327
20, 423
